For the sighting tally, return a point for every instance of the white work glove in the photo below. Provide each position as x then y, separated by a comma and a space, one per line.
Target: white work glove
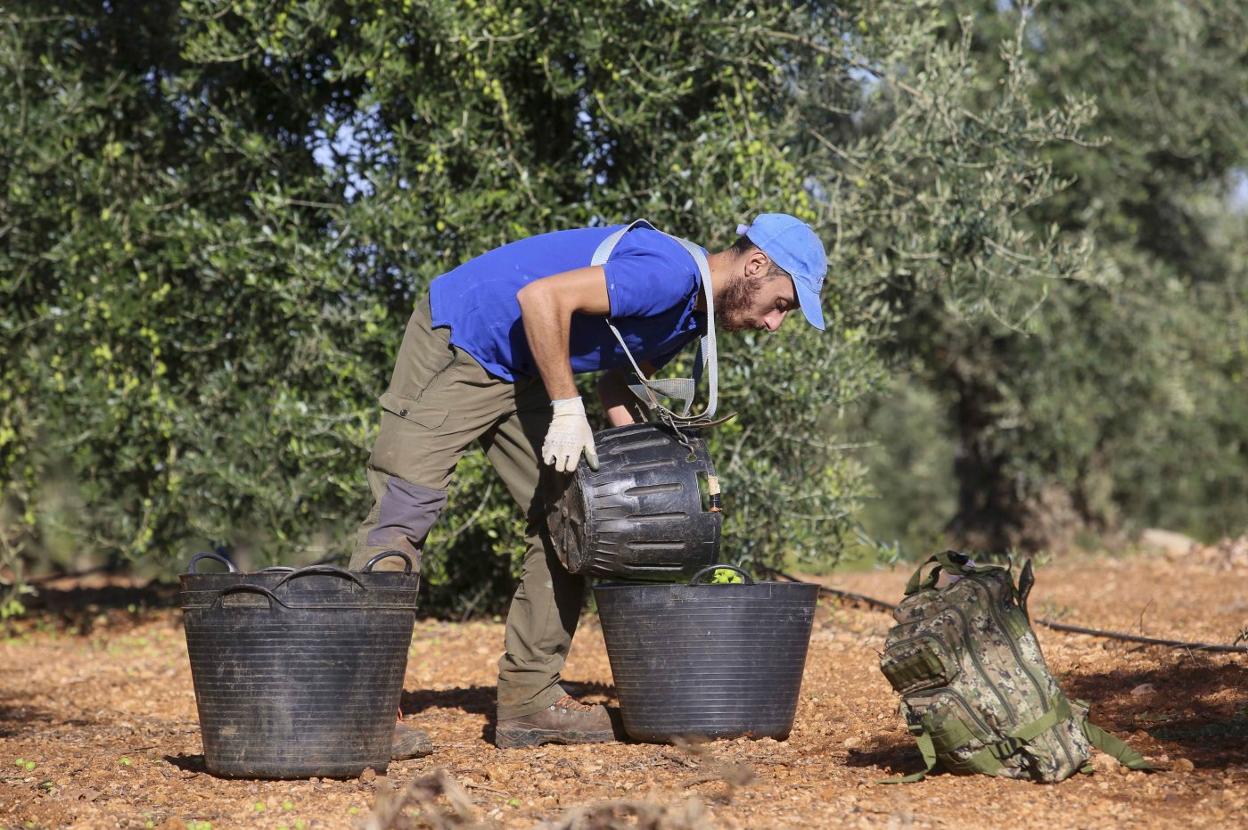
568, 436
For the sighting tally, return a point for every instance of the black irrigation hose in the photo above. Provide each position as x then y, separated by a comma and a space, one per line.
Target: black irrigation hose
1215, 648
881, 605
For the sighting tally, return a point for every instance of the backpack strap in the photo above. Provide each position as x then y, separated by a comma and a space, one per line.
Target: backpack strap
1026, 579
1116, 747
919, 582
707, 357
1059, 710
951, 562
928, 749
959, 564
989, 759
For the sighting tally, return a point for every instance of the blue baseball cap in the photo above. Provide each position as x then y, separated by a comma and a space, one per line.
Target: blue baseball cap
793, 246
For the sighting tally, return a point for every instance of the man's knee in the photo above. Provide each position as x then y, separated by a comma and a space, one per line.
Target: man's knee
404, 514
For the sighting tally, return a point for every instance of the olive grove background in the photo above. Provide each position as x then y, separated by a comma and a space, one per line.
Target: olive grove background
216, 217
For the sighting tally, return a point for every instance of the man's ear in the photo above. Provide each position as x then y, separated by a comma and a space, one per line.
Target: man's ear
756, 263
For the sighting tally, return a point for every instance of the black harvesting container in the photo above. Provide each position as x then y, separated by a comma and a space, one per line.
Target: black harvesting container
649, 512
298, 673
707, 661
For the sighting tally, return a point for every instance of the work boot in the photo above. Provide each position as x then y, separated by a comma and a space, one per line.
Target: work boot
409, 742
566, 721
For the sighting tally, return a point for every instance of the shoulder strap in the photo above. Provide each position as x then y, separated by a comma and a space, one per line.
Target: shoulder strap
951, 562
928, 749
707, 357
1114, 746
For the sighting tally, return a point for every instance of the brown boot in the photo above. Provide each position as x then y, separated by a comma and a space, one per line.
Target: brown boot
566, 721
409, 742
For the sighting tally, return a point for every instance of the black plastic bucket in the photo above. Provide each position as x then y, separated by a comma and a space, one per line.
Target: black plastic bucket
707, 661
649, 512
298, 673
201, 585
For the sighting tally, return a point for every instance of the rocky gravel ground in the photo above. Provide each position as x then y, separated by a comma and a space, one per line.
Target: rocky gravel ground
98, 726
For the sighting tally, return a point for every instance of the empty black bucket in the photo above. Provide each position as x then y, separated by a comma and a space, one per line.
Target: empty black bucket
707, 661
198, 586
298, 673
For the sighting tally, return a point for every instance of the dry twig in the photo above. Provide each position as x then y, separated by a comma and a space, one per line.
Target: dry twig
633, 814
422, 795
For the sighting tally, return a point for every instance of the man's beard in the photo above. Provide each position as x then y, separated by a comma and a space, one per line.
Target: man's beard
736, 301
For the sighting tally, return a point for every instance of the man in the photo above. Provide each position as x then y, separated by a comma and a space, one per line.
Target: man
490, 357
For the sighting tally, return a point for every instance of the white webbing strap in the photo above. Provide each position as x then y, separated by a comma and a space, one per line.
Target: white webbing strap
707, 357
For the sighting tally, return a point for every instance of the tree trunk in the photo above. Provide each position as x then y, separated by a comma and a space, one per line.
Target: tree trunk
997, 512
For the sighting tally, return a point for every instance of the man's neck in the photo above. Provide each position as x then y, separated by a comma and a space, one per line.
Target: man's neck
720, 264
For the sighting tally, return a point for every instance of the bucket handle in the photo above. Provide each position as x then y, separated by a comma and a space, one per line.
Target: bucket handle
712, 568
325, 570
277, 569
407, 561
190, 566
246, 588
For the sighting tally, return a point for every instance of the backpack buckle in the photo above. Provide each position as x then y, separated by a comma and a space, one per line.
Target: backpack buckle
1006, 747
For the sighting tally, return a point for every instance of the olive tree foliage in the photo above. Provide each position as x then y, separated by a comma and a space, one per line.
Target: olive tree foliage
927, 190
218, 215
1120, 401
180, 332
1152, 430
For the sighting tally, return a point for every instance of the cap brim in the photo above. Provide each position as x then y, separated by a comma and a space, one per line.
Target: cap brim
811, 307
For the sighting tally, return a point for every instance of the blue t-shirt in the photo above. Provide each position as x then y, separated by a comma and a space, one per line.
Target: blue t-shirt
652, 283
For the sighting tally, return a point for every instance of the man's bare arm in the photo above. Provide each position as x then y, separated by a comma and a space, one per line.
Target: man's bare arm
546, 307
621, 405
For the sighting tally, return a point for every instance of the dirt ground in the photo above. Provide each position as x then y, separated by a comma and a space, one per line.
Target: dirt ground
98, 727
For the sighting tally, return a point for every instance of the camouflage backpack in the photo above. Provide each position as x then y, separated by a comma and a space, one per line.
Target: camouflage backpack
976, 692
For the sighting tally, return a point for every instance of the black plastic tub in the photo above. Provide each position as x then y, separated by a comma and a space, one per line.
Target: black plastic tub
649, 512
707, 661
197, 585
298, 673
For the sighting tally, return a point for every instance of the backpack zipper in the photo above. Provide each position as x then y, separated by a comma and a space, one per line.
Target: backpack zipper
987, 736
1018, 657
966, 630
974, 716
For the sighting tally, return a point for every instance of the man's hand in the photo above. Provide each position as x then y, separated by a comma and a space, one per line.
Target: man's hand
568, 436
618, 402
